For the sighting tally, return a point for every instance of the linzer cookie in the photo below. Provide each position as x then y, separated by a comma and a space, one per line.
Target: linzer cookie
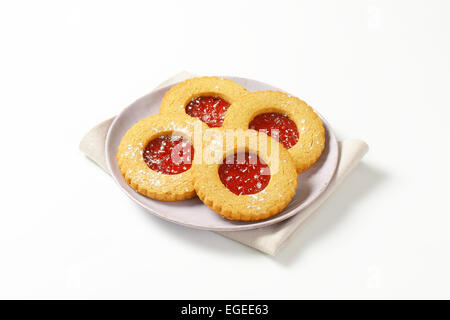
155, 157
245, 175
286, 118
205, 98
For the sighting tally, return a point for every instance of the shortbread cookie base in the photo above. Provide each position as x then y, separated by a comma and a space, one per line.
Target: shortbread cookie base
311, 132
265, 204
138, 175
177, 97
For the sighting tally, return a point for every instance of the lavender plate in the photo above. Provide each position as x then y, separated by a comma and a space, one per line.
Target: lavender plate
193, 213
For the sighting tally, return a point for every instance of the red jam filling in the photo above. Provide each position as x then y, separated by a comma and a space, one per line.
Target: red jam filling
169, 154
244, 173
285, 129
211, 110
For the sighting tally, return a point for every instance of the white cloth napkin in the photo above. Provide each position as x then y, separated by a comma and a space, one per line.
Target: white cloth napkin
268, 239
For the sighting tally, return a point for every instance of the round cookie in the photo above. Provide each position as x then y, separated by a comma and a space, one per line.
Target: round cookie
155, 157
258, 187
206, 98
267, 105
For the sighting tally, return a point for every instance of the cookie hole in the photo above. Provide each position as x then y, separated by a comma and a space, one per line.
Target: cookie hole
244, 173
169, 154
209, 108
278, 126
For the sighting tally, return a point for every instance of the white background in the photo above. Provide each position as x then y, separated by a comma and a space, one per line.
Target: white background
377, 70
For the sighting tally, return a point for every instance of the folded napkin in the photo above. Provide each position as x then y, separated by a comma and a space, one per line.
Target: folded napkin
268, 239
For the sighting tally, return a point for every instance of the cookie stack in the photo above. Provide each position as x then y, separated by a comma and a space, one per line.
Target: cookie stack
240, 152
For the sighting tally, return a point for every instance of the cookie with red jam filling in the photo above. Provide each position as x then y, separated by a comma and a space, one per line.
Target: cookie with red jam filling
155, 157
205, 98
245, 175
286, 118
